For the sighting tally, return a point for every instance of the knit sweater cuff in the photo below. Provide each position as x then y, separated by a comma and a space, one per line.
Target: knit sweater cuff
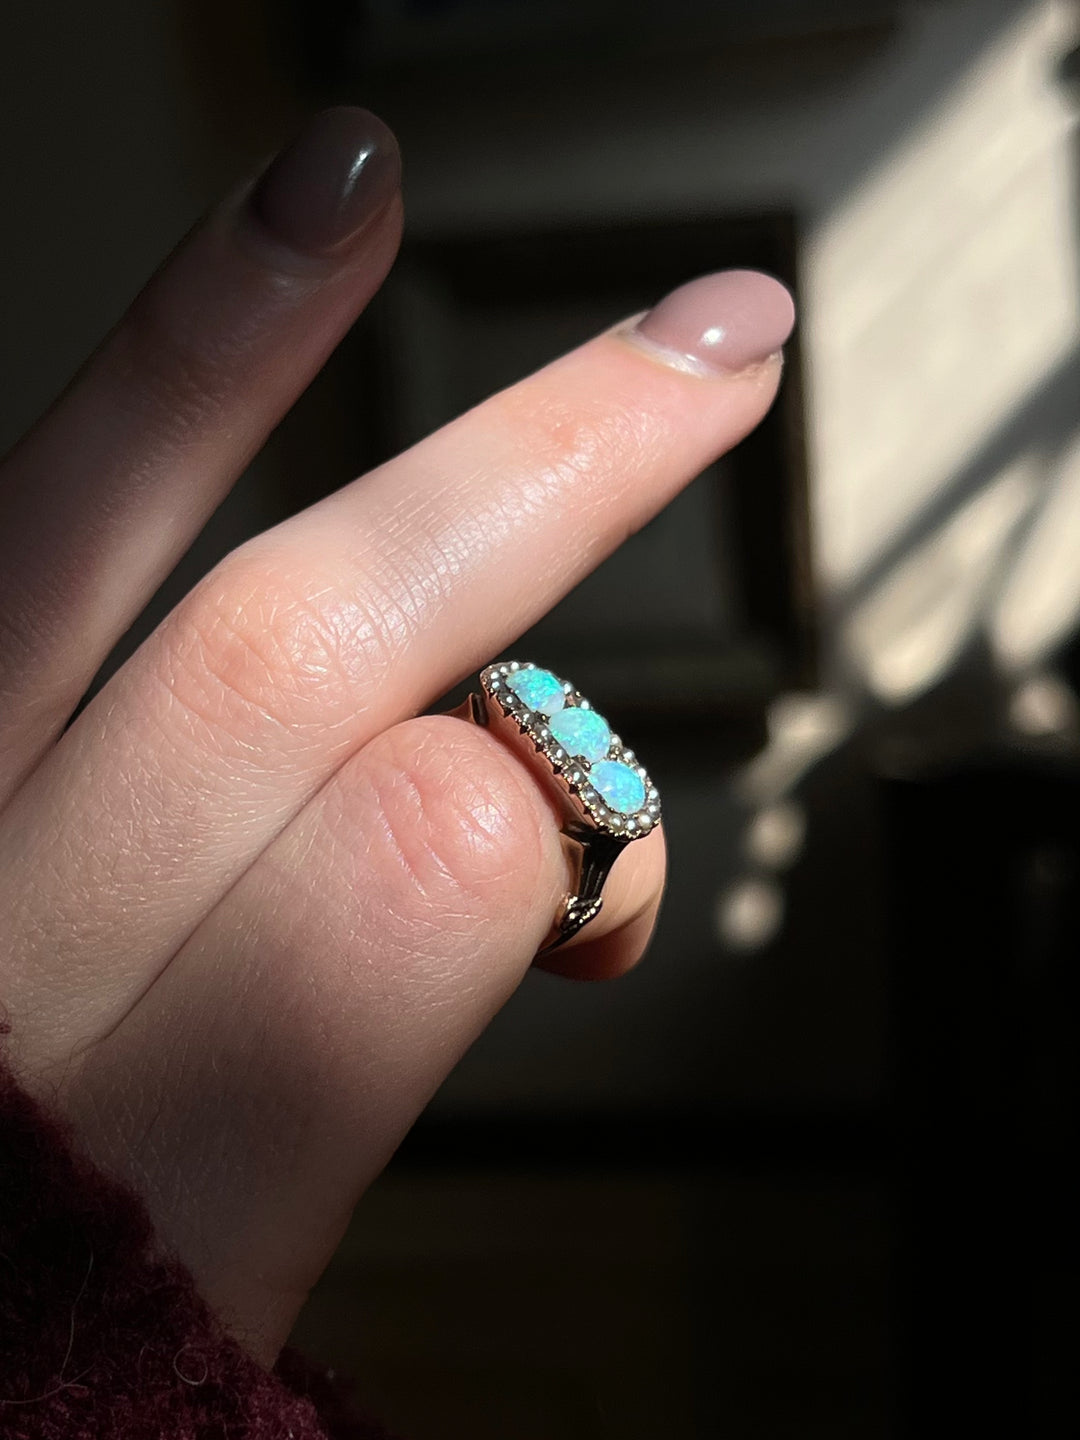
103, 1335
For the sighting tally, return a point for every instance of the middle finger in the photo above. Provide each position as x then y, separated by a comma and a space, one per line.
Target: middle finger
314, 637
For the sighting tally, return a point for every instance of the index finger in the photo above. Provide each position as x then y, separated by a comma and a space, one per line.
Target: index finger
318, 635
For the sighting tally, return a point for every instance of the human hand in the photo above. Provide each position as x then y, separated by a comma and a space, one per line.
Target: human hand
254, 909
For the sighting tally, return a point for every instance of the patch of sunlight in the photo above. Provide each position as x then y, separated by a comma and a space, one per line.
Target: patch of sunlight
802, 729
774, 838
1040, 603
905, 635
749, 914
939, 294
1044, 705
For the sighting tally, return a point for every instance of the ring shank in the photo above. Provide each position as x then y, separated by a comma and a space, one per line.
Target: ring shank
597, 853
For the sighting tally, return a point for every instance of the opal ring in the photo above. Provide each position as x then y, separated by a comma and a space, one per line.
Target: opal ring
608, 799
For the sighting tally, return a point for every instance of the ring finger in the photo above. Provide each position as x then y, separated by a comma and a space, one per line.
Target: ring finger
366, 949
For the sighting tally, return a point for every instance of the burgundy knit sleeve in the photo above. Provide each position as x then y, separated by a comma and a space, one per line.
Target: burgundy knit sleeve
102, 1337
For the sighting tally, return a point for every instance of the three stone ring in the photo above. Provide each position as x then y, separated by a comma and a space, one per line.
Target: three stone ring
608, 799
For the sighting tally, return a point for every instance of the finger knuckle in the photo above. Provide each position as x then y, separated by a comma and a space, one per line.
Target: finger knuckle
172, 375
460, 828
256, 648
572, 438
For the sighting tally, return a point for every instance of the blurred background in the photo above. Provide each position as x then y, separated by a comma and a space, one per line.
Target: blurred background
805, 1172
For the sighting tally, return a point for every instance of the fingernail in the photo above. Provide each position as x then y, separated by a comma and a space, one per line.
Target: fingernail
720, 323
321, 191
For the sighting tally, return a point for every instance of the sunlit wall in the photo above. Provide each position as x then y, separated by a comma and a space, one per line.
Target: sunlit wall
940, 325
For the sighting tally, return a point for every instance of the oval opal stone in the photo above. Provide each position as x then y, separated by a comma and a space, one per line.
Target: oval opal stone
581, 732
539, 689
622, 788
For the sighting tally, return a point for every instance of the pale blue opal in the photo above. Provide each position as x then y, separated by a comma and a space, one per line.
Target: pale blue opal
621, 788
581, 732
539, 689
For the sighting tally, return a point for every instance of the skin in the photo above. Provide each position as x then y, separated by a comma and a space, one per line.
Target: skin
254, 910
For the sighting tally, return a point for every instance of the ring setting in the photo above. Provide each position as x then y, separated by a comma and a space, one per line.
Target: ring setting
610, 799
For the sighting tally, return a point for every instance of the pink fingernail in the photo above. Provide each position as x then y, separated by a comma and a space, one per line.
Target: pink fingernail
720, 323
